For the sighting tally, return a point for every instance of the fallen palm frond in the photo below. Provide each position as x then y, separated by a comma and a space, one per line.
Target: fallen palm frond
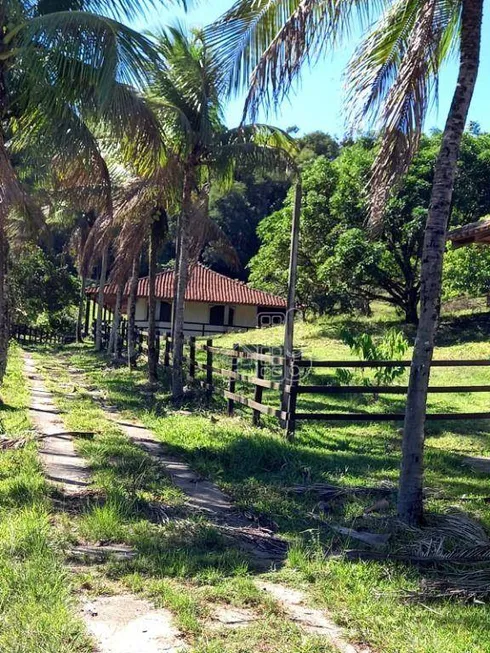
13, 443
455, 556
327, 491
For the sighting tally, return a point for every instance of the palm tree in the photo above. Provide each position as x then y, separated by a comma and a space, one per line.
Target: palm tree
141, 216
59, 68
188, 88
133, 288
392, 76
81, 228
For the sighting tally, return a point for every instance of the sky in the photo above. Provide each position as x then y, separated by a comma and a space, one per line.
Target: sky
317, 101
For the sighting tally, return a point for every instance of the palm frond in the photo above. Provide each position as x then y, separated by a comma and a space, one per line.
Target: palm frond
116, 8
395, 72
80, 53
264, 44
137, 204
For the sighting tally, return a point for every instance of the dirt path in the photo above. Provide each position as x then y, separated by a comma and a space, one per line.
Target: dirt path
121, 623
125, 623
61, 464
311, 620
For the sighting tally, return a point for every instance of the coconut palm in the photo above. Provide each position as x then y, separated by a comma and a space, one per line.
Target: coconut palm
393, 76
142, 217
60, 67
143, 208
188, 88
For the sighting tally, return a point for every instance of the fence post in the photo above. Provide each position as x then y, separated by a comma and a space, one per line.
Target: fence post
232, 381
209, 365
292, 396
259, 371
166, 353
192, 357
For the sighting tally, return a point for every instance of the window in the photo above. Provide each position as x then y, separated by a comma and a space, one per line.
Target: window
165, 313
231, 316
217, 315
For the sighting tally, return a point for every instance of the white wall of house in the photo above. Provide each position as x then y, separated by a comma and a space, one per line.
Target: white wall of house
197, 317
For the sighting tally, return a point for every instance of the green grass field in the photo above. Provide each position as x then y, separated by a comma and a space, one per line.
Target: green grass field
373, 600
36, 603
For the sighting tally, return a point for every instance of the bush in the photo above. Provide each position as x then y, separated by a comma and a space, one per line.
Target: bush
393, 346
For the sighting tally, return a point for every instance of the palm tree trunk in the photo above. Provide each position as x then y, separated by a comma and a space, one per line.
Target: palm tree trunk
181, 275
178, 326
100, 301
152, 265
81, 309
112, 348
410, 500
133, 287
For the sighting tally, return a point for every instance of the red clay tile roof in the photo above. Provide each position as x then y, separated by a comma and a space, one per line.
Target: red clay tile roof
476, 232
205, 285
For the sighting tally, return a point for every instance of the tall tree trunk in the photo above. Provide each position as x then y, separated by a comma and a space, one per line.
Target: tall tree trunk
100, 301
81, 309
181, 275
10, 192
411, 306
410, 500
112, 348
133, 287
4, 325
152, 268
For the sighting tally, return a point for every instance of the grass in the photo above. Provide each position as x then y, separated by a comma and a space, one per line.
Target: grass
36, 608
178, 565
188, 570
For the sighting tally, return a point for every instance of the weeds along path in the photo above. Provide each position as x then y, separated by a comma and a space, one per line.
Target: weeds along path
173, 500
121, 623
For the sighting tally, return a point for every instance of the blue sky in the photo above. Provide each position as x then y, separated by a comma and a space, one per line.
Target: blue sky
316, 103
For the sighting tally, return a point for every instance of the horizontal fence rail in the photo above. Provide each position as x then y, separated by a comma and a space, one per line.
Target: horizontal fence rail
286, 410
297, 389
386, 417
260, 372
229, 376
357, 364
382, 389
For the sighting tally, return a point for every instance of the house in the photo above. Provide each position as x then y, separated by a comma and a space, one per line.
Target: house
214, 303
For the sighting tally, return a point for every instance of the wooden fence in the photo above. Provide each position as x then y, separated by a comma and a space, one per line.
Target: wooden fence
32, 335
261, 371
296, 389
286, 400
204, 367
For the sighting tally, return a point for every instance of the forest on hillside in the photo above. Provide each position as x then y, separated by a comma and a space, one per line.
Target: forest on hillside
341, 267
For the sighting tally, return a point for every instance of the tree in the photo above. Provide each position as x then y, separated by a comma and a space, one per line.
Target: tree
141, 218
83, 224
466, 271
43, 287
188, 87
60, 66
157, 237
133, 289
392, 75
238, 211
269, 268
404, 112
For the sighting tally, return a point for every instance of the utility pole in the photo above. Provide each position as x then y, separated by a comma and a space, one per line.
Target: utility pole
291, 301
